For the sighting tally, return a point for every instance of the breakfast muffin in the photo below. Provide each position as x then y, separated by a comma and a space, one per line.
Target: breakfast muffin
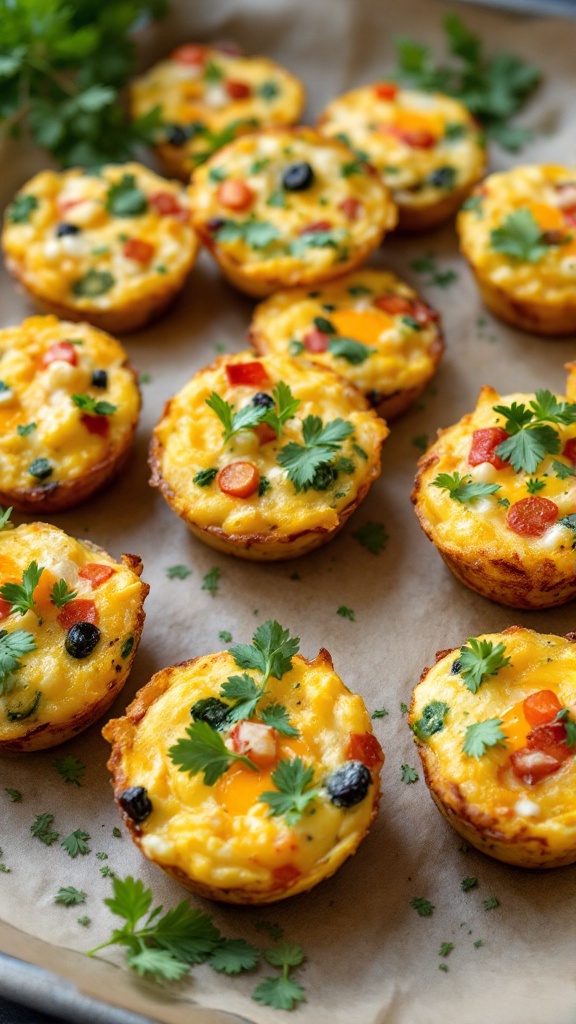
71, 619
112, 246
287, 207
247, 788
495, 493
427, 147
266, 459
69, 405
368, 326
495, 726
209, 95
518, 233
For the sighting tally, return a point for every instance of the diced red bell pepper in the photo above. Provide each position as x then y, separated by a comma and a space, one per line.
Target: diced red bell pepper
416, 138
570, 217
237, 90
78, 610
247, 373
483, 447
569, 450
99, 425
5, 607
541, 707
235, 194
265, 433
316, 341
531, 766
62, 351
189, 53
551, 740
363, 746
165, 204
96, 573
239, 479
286, 874
137, 249
393, 304
351, 208
532, 516
386, 90
317, 225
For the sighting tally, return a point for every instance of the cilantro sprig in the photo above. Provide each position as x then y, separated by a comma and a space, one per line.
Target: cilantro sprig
294, 790
305, 463
283, 993
531, 438
204, 750
520, 236
482, 735
462, 489
20, 596
480, 659
12, 647
250, 416
62, 594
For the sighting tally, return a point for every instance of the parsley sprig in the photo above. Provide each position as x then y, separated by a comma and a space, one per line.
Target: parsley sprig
462, 489
531, 439
482, 735
61, 594
283, 993
12, 647
304, 463
250, 416
20, 596
480, 659
294, 790
204, 751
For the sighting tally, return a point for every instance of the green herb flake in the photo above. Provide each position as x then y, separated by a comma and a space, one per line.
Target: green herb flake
445, 948
225, 636
462, 489
478, 943
116, 832
422, 906
70, 897
211, 579
277, 199
204, 477
25, 429
203, 750
178, 572
41, 828
404, 709
562, 471
379, 713
61, 595
468, 883
346, 613
84, 921
127, 646
480, 659
431, 720
409, 774
70, 768
491, 903
41, 469
294, 791
76, 843
21, 209
520, 237
125, 198
372, 536
482, 735
93, 284
13, 794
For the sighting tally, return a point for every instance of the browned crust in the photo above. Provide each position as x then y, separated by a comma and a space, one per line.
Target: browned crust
59, 495
129, 317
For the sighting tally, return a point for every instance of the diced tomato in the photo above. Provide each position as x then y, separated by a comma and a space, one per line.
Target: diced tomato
237, 90
235, 194
316, 341
96, 573
62, 352
78, 610
569, 450
570, 218
541, 707
238, 479
99, 425
386, 90
5, 607
532, 516
317, 225
265, 433
166, 204
551, 740
137, 249
256, 741
247, 373
393, 304
286, 874
363, 746
351, 208
530, 766
483, 447
190, 53
423, 313
416, 138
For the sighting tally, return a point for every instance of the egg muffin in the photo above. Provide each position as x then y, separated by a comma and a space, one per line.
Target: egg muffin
495, 493
368, 326
69, 405
208, 96
112, 246
247, 788
266, 459
495, 726
287, 207
71, 619
518, 232
426, 147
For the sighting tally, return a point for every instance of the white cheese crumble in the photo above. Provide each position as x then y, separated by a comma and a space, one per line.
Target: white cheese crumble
527, 808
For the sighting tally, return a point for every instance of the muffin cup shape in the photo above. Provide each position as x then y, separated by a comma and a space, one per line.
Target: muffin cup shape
82, 648
201, 115
389, 356
530, 283
493, 805
278, 518
288, 231
113, 248
220, 840
68, 415
515, 545
426, 147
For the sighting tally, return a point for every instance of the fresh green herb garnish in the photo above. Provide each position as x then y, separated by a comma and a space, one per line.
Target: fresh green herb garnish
41, 469
127, 646
379, 713
14, 794
250, 416
426, 265
277, 199
217, 175
61, 595
276, 716
562, 471
346, 613
76, 843
409, 774
282, 993
271, 654
5, 519
569, 724
125, 198
41, 828
257, 234
264, 486
530, 438
520, 237
294, 790
468, 883
204, 477
317, 240
462, 489
404, 709
533, 485
422, 906
95, 408
84, 921
204, 751
225, 636
431, 720
474, 204
93, 283
20, 596
24, 429
232, 956
210, 580
70, 897
480, 660
445, 948
482, 735
22, 207
101, 855
491, 903
178, 572
304, 463
116, 832
70, 768
354, 352
372, 536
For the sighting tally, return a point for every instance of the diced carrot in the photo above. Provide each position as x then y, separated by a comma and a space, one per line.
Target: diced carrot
541, 707
238, 90
137, 249
386, 90
238, 479
235, 194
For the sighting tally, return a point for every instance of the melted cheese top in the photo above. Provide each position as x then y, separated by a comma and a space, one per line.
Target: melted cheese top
190, 434
90, 269
380, 129
544, 192
199, 98
399, 353
538, 662
222, 835
308, 228
483, 520
67, 686
39, 420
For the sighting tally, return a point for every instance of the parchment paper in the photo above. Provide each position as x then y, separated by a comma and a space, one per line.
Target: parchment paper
371, 959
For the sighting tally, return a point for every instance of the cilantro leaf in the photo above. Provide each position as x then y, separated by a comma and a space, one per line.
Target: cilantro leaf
204, 477
528, 447
76, 843
520, 237
482, 735
276, 715
246, 418
246, 694
70, 897
232, 956
346, 613
255, 234
409, 774
462, 489
21, 208
210, 580
321, 443
131, 900
157, 963
285, 407
21, 595
70, 768
491, 903
423, 907
178, 572
92, 406
317, 240
12, 647
204, 751
480, 660
282, 993
186, 933
125, 198
372, 536
562, 471
445, 948
354, 352
14, 794
468, 883
61, 595
41, 828
293, 794
270, 653
431, 720
287, 954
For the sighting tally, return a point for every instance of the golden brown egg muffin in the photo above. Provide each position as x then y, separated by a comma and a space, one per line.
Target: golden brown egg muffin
247, 799
113, 247
208, 96
69, 405
427, 147
368, 326
495, 493
71, 619
266, 459
495, 726
287, 207
518, 232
